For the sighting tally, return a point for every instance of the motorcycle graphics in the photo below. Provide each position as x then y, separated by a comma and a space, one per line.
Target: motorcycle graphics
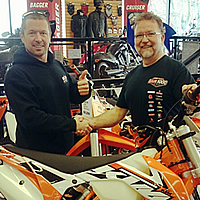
37, 176
168, 170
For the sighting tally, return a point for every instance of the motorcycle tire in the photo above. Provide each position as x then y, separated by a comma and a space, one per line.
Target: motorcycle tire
100, 70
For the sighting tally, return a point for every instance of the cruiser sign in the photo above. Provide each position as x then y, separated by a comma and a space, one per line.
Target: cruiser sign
134, 6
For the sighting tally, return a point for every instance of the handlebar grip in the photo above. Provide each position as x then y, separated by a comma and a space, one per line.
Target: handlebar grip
191, 96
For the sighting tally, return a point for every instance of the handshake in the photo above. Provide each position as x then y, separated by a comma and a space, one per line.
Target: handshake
83, 125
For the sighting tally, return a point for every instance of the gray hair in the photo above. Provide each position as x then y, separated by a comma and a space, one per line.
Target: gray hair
149, 16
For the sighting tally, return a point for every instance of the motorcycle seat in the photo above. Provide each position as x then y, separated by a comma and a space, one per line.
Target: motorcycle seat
66, 164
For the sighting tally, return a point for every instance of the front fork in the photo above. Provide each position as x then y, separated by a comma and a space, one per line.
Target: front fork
191, 177
183, 133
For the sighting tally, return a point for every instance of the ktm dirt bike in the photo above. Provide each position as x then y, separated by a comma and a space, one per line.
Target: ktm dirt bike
168, 170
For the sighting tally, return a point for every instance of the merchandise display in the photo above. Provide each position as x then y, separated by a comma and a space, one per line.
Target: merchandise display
97, 24
70, 8
78, 24
108, 10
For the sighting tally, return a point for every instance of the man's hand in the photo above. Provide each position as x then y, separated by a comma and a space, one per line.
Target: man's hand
190, 108
83, 86
83, 126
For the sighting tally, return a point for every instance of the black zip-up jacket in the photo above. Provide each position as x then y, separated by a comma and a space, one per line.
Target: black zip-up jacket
78, 24
40, 95
97, 24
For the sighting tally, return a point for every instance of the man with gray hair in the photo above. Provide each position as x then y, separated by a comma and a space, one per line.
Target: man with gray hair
153, 87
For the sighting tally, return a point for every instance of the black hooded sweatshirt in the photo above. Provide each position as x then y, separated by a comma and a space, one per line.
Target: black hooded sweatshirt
40, 95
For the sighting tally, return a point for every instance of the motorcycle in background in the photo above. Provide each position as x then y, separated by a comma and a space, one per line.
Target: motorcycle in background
113, 59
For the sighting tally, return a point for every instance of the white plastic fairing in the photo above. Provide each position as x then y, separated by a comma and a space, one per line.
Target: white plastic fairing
10, 179
114, 190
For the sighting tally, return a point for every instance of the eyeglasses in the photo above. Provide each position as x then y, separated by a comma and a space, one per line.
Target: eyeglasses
148, 35
32, 12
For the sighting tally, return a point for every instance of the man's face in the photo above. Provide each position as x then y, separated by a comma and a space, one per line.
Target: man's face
36, 38
150, 49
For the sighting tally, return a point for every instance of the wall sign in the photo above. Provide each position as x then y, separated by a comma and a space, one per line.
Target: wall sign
135, 6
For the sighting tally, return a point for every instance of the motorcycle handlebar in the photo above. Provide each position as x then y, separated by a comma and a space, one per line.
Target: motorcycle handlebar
191, 96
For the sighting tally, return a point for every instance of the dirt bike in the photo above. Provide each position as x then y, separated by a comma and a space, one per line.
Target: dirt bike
169, 169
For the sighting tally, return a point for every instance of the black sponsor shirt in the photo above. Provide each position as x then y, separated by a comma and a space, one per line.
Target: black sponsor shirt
150, 92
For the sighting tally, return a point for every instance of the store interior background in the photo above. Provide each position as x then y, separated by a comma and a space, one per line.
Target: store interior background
182, 16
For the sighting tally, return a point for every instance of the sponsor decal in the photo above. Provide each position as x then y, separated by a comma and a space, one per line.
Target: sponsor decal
150, 101
150, 96
151, 92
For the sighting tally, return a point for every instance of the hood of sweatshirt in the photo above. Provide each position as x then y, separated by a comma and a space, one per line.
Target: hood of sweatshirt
21, 56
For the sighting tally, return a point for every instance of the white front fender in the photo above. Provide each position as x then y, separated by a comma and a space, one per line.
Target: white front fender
16, 186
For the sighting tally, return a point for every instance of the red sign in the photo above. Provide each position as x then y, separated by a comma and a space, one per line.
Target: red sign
54, 9
134, 6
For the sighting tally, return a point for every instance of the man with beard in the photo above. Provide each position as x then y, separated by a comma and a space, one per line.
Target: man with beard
152, 88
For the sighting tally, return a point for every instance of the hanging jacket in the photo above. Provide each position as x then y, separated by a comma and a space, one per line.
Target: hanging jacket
97, 24
78, 24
